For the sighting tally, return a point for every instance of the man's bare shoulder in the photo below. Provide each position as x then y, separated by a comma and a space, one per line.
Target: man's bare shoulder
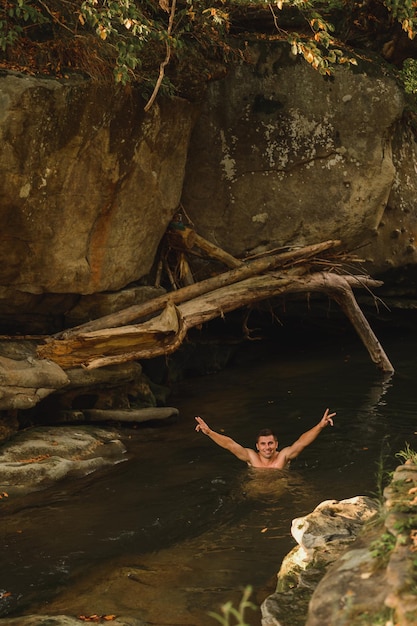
283, 458
252, 457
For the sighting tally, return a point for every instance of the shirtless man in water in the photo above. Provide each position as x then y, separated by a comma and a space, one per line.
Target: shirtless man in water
267, 455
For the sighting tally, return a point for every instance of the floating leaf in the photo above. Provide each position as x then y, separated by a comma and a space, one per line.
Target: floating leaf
96, 618
5, 594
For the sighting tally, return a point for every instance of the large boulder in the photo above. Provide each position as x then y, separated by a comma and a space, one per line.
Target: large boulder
354, 563
281, 156
322, 536
88, 183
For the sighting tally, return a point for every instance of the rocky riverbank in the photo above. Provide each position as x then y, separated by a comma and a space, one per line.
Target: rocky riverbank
355, 562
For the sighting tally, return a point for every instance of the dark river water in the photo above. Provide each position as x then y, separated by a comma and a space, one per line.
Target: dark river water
182, 526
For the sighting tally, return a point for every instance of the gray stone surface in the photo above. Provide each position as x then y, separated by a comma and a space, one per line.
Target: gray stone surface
88, 183
342, 573
322, 536
279, 156
39, 457
283, 156
24, 382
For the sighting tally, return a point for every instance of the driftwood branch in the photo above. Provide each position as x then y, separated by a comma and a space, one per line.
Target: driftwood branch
343, 295
248, 269
186, 238
110, 346
339, 288
116, 415
217, 253
161, 335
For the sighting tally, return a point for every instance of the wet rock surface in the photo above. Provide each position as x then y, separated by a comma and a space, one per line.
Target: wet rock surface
274, 134
38, 458
89, 184
372, 581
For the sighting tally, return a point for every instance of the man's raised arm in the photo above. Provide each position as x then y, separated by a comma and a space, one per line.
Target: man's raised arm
308, 437
223, 441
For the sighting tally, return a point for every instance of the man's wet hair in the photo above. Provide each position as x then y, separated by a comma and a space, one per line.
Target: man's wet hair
266, 432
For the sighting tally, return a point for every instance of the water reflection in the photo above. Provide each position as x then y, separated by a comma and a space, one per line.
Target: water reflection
269, 485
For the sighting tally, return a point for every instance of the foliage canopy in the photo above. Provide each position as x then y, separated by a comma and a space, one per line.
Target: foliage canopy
179, 45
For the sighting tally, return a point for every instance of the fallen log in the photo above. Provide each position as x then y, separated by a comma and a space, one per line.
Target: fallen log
217, 253
164, 333
187, 238
341, 292
110, 346
248, 269
136, 416
337, 287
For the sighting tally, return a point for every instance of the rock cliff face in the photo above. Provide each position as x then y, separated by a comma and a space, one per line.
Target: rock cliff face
278, 156
88, 185
282, 156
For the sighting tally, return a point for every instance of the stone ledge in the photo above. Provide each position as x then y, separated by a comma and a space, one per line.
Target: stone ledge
373, 580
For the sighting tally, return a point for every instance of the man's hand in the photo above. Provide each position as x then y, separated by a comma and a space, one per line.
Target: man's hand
327, 419
201, 425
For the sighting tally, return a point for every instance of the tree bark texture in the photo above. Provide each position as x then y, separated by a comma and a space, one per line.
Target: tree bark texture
164, 334
246, 270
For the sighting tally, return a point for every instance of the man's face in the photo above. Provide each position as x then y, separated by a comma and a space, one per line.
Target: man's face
266, 446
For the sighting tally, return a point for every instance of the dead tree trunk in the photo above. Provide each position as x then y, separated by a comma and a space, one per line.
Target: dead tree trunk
150, 339
246, 270
339, 288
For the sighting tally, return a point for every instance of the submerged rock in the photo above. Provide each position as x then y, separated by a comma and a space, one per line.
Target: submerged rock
39, 457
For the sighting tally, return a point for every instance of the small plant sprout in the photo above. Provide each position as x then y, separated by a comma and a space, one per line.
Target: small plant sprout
235, 617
